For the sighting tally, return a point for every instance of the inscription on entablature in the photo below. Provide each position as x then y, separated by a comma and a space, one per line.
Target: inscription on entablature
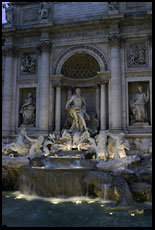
28, 40
136, 28
84, 33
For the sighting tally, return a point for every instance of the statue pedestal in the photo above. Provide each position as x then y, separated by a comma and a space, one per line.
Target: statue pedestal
27, 126
7, 25
113, 12
140, 124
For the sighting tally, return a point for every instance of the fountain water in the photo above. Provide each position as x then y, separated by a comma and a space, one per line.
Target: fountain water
105, 198
72, 173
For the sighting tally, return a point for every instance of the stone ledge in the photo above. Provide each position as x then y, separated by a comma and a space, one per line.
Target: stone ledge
141, 135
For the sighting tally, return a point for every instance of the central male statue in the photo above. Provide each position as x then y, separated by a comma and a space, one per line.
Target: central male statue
78, 111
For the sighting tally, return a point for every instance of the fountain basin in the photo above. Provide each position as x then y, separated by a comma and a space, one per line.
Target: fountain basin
53, 182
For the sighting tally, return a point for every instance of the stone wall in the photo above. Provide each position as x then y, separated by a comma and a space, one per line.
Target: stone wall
36, 50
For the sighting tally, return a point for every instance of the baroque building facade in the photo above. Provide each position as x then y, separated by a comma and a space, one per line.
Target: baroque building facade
103, 48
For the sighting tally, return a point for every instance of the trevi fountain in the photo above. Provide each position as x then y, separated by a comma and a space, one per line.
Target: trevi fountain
77, 147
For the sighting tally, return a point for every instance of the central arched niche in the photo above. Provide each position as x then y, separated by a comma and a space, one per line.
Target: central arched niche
80, 66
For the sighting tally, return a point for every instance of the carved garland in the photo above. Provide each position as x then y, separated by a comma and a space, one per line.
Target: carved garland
81, 47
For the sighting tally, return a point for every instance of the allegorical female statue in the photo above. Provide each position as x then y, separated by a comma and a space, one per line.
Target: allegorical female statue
138, 110
8, 13
44, 11
28, 111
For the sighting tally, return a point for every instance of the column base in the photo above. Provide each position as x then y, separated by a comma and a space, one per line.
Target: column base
116, 131
57, 133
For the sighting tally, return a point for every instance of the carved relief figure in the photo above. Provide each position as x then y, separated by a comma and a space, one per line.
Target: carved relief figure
78, 111
138, 111
28, 111
28, 64
44, 11
8, 13
141, 58
137, 55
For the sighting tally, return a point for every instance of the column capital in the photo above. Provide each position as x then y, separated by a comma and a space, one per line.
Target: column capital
57, 83
116, 40
44, 46
10, 51
57, 80
103, 81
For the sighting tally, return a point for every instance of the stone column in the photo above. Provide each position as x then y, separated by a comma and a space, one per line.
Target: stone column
123, 81
7, 89
98, 102
44, 86
58, 109
115, 91
52, 107
150, 63
103, 107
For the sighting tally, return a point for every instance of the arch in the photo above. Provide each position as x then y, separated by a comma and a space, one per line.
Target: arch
79, 50
80, 66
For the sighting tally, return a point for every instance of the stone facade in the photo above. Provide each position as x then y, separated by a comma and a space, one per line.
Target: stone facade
52, 48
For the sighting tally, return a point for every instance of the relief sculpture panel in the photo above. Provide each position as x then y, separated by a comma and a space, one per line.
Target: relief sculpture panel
29, 63
137, 55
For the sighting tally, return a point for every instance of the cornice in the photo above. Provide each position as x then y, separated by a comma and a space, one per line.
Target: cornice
61, 80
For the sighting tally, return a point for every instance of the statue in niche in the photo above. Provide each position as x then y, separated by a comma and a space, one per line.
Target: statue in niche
112, 6
44, 11
117, 145
28, 111
138, 109
78, 112
8, 13
28, 64
137, 55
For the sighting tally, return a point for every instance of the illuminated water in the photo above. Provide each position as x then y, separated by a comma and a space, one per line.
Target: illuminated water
25, 211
